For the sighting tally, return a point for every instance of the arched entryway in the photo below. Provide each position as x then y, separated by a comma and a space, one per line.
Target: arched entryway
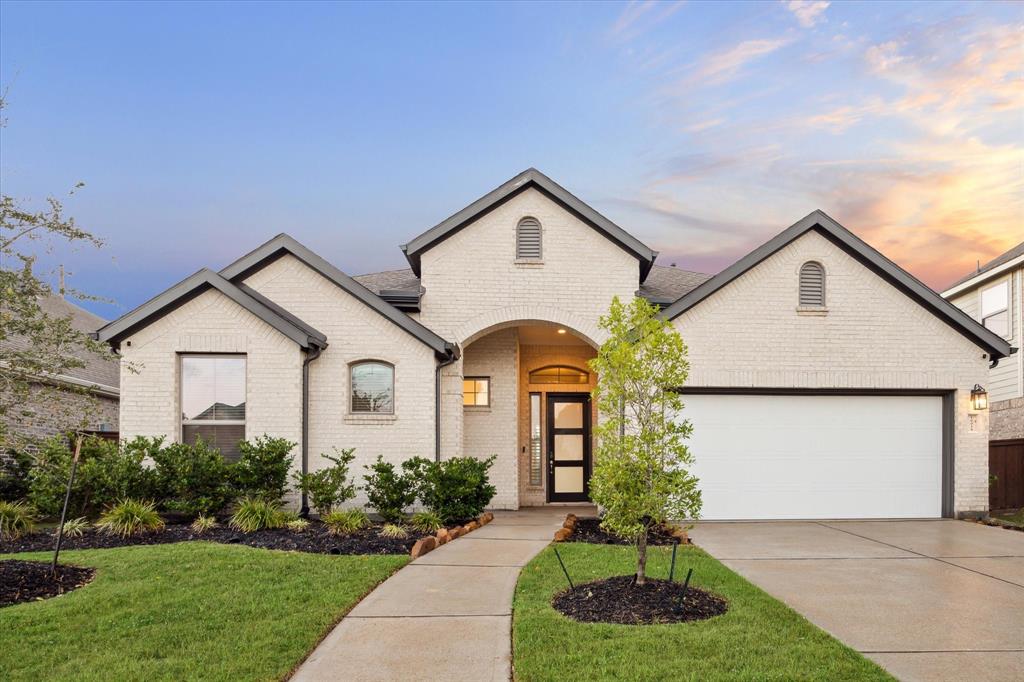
526, 399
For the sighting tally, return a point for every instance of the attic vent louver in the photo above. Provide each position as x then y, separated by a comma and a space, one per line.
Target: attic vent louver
528, 239
812, 284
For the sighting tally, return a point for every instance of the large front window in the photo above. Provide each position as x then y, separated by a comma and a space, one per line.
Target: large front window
373, 388
213, 401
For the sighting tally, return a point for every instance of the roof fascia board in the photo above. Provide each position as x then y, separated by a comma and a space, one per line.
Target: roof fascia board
866, 255
531, 178
186, 290
270, 251
983, 277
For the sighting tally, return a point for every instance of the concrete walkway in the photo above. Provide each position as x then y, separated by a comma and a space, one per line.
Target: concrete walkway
927, 600
444, 616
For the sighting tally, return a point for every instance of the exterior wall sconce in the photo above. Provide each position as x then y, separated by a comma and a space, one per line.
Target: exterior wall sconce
979, 398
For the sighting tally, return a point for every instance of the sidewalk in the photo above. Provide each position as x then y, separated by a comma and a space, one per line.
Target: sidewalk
446, 615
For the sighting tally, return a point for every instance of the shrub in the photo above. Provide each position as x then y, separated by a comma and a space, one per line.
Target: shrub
389, 492
14, 470
114, 471
130, 517
426, 521
262, 470
48, 480
194, 479
16, 519
393, 530
204, 523
297, 525
75, 528
329, 486
456, 489
340, 522
254, 514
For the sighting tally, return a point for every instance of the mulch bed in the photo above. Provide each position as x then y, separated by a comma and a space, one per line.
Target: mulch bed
22, 581
620, 600
314, 539
589, 530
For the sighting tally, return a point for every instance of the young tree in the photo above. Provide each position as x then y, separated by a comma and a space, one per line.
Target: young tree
641, 477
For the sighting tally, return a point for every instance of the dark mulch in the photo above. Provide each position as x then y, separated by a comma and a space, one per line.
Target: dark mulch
22, 581
314, 539
620, 600
589, 530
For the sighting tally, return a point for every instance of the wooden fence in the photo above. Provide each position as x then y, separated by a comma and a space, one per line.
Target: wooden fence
1006, 465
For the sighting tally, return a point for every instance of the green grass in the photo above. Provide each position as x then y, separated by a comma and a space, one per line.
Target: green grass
1013, 517
759, 638
188, 611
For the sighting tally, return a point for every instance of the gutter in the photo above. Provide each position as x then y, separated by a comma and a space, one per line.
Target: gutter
452, 356
311, 355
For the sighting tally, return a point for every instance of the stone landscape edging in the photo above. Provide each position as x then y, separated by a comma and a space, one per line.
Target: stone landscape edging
428, 543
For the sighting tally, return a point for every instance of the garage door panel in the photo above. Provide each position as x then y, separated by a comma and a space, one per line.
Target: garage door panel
793, 456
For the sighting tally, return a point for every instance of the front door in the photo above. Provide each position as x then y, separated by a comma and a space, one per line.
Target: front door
568, 447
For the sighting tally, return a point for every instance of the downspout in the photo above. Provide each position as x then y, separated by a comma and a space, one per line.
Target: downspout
311, 355
452, 356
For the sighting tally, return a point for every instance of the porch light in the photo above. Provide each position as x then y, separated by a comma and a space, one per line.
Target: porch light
561, 331
979, 398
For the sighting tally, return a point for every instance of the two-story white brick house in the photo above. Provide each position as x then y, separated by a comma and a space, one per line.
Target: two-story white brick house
826, 382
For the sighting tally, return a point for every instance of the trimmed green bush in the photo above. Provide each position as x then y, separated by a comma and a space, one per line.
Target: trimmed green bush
343, 522
130, 517
456, 489
254, 514
262, 470
16, 519
14, 470
194, 479
389, 492
330, 486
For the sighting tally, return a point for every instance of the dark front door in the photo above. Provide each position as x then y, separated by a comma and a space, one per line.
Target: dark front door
568, 444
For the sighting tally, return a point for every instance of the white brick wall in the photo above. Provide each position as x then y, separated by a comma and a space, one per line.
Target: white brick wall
355, 332
750, 334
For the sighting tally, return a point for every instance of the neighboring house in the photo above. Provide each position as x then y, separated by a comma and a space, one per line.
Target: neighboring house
100, 376
825, 381
994, 296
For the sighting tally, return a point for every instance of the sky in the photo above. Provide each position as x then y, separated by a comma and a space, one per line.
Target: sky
201, 130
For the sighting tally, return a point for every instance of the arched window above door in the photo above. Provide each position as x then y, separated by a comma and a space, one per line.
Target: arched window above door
559, 374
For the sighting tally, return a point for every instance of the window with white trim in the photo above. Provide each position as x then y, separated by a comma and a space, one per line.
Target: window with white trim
372, 385
812, 285
528, 239
213, 401
995, 308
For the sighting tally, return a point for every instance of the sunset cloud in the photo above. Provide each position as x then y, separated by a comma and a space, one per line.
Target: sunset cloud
808, 12
724, 66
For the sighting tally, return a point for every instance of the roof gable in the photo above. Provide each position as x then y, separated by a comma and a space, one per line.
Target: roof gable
202, 281
530, 178
283, 243
818, 221
994, 268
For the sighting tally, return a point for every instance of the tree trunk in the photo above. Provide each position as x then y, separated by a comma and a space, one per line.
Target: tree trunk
641, 558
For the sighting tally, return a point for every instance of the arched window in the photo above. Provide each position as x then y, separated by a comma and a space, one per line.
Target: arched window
558, 374
372, 387
528, 239
812, 285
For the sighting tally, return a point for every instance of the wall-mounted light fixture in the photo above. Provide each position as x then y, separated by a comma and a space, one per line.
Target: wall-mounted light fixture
979, 398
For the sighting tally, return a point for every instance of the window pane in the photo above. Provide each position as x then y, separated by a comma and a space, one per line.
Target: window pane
224, 437
569, 480
558, 375
536, 458
568, 446
994, 299
372, 387
212, 388
476, 391
999, 323
568, 415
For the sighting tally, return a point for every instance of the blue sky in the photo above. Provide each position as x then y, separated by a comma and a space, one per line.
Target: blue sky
203, 129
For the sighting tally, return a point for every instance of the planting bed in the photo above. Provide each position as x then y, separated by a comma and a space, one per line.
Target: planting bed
589, 530
620, 600
22, 581
314, 539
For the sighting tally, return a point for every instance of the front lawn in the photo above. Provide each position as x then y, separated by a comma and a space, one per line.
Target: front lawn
757, 638
188, 611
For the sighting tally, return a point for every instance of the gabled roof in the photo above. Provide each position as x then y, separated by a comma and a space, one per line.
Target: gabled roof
990, 269
520, 183
818, 221
283, 243
666, 284
204, 280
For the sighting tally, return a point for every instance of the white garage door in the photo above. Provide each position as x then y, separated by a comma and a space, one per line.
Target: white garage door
817, 457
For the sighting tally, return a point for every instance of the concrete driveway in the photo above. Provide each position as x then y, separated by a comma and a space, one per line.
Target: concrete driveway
927, 600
